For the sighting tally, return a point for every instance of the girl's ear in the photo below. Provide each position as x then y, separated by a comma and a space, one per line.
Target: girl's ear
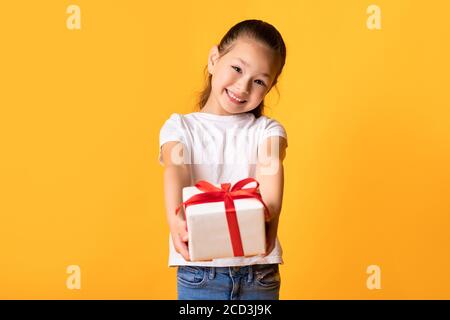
212, 59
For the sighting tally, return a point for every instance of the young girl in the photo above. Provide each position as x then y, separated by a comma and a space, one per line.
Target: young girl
227, 140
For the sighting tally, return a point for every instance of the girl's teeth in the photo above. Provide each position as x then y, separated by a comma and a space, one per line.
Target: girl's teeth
232, 95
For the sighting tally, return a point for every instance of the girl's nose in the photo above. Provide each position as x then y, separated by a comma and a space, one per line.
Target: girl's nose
243, 87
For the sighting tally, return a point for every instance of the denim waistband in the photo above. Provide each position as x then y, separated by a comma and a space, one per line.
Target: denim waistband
237, 271
240, 270
243, 270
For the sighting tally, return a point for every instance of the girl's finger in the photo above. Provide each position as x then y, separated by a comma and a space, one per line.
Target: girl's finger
182, 230
182, 248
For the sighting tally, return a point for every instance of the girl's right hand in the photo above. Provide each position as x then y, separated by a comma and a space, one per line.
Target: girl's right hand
180, 235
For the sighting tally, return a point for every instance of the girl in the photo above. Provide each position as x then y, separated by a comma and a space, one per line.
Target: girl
227, 140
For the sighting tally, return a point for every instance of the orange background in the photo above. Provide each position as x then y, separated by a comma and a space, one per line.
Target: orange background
367, 170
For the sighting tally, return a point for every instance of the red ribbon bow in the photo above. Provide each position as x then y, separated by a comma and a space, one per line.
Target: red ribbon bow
214, 194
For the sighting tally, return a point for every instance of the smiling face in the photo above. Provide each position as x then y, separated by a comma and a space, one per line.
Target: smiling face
241, 78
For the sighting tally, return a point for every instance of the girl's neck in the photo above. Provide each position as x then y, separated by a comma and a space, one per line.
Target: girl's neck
207, 109
213, 113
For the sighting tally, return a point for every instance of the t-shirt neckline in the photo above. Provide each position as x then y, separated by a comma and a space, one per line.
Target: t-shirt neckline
232, 117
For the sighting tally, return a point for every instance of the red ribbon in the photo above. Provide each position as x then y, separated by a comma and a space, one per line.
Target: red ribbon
224, 193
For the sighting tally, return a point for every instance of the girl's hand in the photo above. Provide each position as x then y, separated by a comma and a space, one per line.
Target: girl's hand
180, 235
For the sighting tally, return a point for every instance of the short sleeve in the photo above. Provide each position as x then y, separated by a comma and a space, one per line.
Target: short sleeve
170, 131
272, 128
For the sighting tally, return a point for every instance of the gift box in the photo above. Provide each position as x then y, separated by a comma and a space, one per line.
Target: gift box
224, 221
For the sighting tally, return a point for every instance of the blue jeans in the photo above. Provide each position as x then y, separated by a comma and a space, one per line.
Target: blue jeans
254, 282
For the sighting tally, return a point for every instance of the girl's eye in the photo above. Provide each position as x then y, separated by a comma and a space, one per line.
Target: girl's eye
237, 69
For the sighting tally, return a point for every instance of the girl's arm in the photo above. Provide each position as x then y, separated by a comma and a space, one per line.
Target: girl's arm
177, 175
270, 175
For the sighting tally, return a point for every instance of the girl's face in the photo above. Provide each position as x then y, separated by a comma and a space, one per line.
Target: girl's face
241, 78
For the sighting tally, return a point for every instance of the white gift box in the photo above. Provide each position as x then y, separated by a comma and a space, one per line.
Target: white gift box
209, 236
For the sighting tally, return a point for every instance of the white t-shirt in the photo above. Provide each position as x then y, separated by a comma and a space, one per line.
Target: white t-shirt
221, 149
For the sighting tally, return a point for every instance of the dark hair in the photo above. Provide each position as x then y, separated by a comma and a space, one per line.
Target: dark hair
253, 29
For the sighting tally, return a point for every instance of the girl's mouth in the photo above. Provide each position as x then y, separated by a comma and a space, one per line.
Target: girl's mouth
234, 100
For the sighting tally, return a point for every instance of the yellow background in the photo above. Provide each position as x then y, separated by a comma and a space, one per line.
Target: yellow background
367, 170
